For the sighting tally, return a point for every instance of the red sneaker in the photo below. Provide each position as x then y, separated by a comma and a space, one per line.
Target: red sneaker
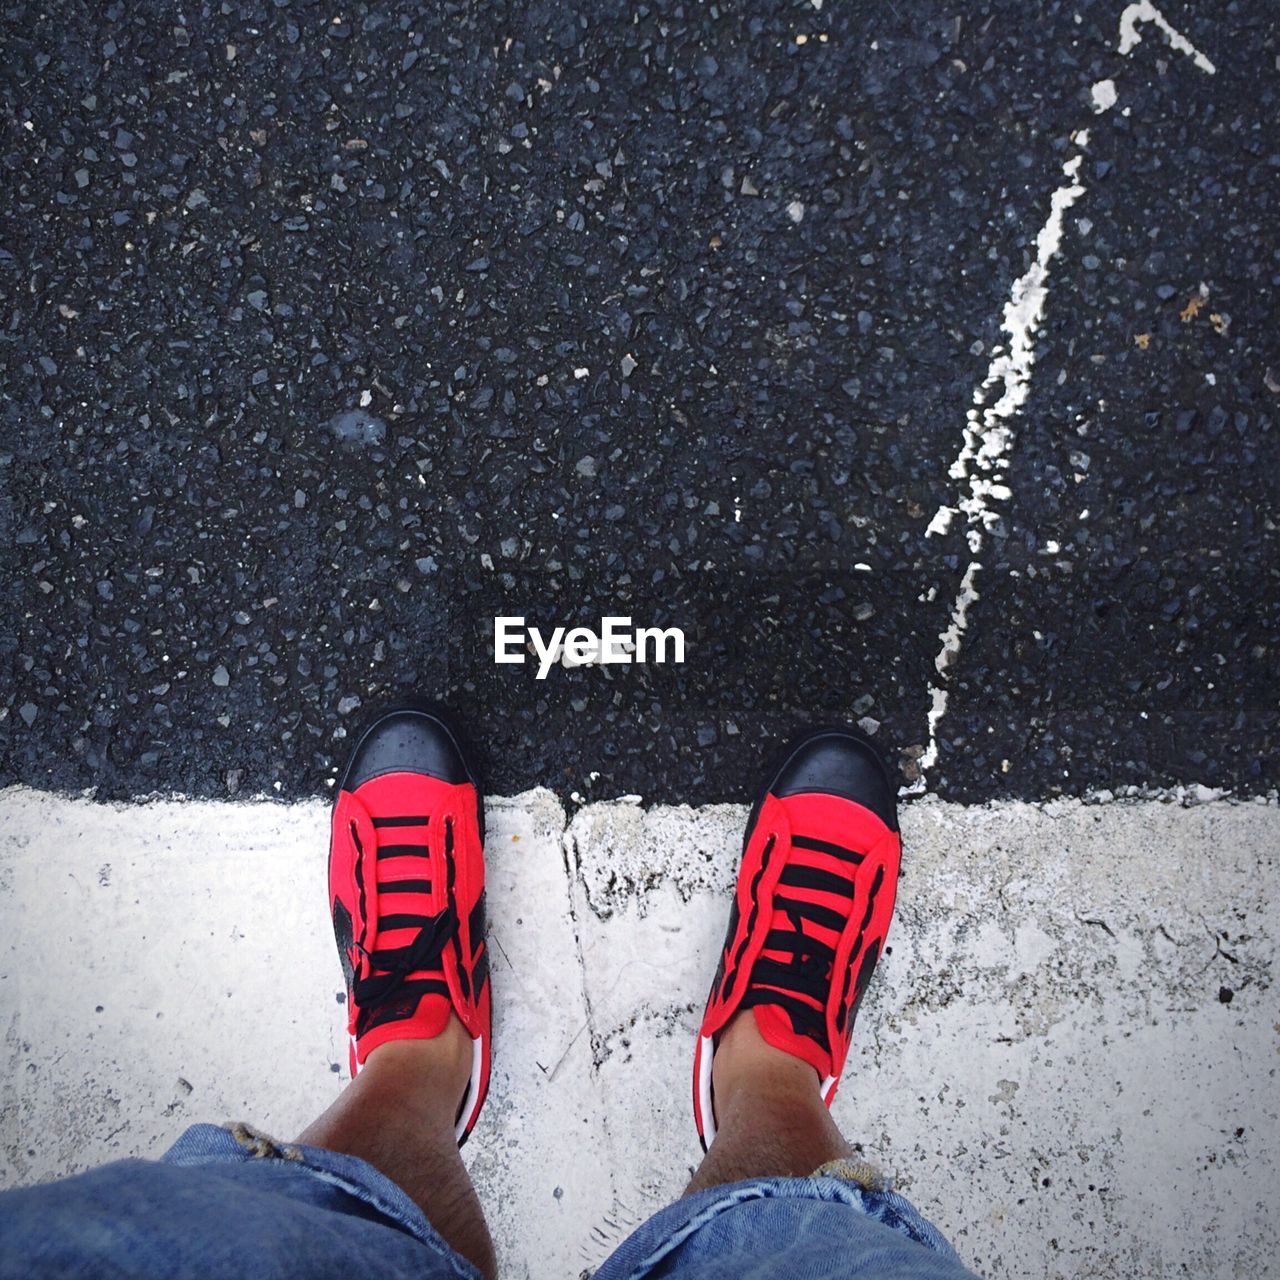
406, 889
813, 904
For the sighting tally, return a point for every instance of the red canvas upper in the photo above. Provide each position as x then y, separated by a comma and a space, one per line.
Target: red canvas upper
406, 867
813, 904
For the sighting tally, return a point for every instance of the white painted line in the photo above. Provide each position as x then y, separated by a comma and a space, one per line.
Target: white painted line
950, 638
988, 439
1042, 1061
1145, 11
1004, 390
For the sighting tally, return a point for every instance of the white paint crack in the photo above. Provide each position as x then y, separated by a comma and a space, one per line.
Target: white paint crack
1145, 11
988, 439
981, 466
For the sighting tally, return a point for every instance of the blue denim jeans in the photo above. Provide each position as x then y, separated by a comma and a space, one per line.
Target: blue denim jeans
229, 1202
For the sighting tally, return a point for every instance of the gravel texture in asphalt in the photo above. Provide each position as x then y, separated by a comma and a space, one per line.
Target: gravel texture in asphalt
331, 332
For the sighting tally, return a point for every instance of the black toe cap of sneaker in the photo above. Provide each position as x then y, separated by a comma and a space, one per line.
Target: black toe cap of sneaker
407, 741
839, 762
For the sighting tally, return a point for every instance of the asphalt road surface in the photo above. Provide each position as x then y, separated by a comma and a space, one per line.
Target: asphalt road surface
921, 362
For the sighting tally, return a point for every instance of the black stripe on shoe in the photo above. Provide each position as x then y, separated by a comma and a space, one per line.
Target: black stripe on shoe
805, 1019
800, 877
825, 846
786, 940
823, 916
400, 850
406, 920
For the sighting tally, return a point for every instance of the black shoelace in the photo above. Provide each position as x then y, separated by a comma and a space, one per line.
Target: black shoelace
426, 951
805, 972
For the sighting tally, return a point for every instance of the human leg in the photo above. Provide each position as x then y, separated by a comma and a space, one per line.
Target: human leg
778, 1192
406, 876
399, 1114
772, 1120
376, 1183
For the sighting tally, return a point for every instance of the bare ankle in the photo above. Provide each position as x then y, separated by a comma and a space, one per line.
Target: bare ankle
747, 1066
771, 1120
442, 1064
